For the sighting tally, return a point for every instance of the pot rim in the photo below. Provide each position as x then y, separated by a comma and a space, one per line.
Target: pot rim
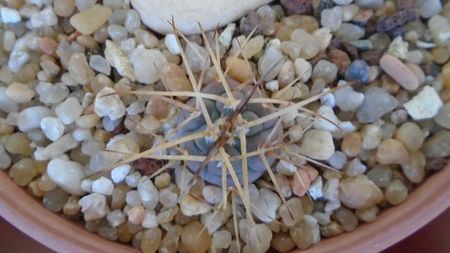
61, 235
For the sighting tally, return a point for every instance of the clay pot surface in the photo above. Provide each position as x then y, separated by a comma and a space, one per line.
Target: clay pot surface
54, 231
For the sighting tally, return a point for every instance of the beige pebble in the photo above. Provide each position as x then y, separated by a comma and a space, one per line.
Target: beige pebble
174, 79
239, 69
359, 192
20, 93
136, 214
351, 144
399, 72
391, 151
410, 135
88, 21
317, 144
195, 238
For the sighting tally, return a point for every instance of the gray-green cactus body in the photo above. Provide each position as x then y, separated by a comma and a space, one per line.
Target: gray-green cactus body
268, 133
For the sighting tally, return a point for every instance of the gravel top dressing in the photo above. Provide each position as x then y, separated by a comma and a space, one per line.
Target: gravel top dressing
292, 122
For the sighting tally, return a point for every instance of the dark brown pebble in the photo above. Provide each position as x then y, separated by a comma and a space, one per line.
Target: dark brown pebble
340, 59
147, 166
372, 57
351, 50
297, 6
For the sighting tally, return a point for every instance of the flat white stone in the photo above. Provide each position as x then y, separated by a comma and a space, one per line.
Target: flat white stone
424, 105
187, 15
66, 174
119, 173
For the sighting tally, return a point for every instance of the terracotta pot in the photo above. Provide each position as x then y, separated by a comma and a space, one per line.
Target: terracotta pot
61, 235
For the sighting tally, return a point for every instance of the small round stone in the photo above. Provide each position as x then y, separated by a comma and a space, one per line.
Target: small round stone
282, 242
396, 192
194, 238
351, 144
19, 93
410, 135
359, 192
391, 151
151, 240
23, 171
358, 70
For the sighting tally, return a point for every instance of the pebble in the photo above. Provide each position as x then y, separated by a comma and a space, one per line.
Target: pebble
410, 135
346, 218
103, 186
195, 239
438, 144
351, 144
174, 79
89, 20
52, 93
196, 56
44, 18
317, 144
414, 170
162, 180
297, 6
398, 48
358, 70
226, 35
52, 127
150, 219
443, 116
305, 233
19, 93
308, 44
212, 194
64, 8
108, 103
424, 105
331, 18
5, 160
359, 192
347, 99
269, 65
429, 8
377, 102
100, 64
54, 200
69, 110
136, 214
396, 192
94, 206
119, 173
291, 212
31, 117
282, 242
303, 69
391, 151
325, 70
371, 4
221, 239
115, 218
147, 64
9, 15
266, 205
302, 180
171, 43
79, 69
337, 160
340, 59
18, 143
349, 32
399, 72
23, 171
117, 58
191, 206
148, 192
151, 240
67, 175
239, 70
328, 120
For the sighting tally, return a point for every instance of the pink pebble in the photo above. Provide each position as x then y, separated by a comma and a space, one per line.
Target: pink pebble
48, 45
399, 72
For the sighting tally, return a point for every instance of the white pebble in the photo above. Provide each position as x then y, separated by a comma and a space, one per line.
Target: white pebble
10, 15
347, 99
132, 180
272, 85
115, 218
424, 105
150, 219
337, 160
69, 110
328, 100
31, 117
119, 173
212, 194
148, 192
171, 43
52, 127
147, 64
67, 175
103, 186
82, 134
303, 69
328, 121
227, 35
94, 206
43, 18
100, 64
315, 190
86, 185
133, 198
108, 103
